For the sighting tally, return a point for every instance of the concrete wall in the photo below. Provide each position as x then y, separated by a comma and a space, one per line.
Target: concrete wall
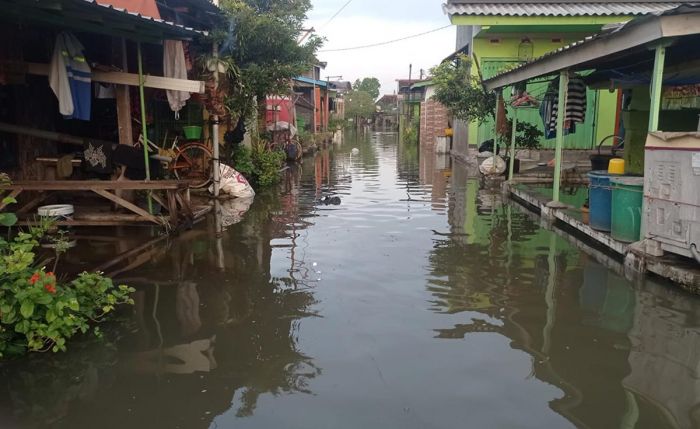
460, 139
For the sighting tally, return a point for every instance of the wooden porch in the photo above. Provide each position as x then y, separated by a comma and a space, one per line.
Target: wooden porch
176, 201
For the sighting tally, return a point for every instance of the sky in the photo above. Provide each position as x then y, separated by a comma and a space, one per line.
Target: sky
365, 22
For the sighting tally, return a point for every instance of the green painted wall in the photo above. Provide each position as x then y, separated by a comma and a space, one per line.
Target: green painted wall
495, 57
636, 123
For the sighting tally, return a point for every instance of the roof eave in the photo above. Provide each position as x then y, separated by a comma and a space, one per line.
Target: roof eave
631, 36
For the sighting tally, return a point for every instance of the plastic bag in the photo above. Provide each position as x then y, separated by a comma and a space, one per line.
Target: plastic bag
491, 168
233, 183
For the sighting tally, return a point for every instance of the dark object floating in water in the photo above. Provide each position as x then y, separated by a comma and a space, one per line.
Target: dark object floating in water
330, 201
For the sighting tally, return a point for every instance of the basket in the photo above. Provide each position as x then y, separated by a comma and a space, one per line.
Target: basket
192, 132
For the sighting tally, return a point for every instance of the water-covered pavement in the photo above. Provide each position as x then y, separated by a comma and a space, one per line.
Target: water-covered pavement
422, 300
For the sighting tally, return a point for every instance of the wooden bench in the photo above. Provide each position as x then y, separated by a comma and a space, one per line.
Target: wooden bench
177, 192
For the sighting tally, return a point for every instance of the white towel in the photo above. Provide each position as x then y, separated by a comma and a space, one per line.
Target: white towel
174, 66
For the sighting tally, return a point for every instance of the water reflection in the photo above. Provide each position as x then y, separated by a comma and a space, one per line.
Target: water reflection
209, 332
422, 299
624, 354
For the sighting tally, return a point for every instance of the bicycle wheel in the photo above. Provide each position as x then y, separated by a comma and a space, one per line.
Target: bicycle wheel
193, 163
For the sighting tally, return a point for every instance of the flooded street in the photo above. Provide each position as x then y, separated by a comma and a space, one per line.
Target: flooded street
421, 300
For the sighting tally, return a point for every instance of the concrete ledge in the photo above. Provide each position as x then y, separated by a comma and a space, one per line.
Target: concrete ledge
683, 271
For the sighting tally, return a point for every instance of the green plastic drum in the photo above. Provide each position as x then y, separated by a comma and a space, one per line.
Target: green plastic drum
627, 197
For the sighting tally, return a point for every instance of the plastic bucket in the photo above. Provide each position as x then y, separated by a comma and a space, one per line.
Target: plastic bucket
192, 132
627, 196
56, 211
599, 196
600, 161
616, 166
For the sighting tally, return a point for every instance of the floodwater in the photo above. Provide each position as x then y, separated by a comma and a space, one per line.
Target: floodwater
422, 300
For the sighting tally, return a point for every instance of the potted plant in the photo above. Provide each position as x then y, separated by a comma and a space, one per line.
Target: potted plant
527, 138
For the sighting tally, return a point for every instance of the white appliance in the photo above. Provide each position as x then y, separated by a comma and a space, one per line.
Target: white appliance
672, 192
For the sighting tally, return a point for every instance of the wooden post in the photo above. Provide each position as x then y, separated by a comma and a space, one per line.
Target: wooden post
561, 115
656, 86
144, 127
511, 165
123, 99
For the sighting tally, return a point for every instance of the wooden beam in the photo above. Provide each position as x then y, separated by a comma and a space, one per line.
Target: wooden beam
127, 205
131, 79
124, 123
89, 185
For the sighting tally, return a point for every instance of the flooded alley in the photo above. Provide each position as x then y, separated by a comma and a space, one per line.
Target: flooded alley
419, 298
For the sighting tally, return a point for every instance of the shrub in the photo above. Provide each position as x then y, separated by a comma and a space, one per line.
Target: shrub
38, 312
260, 165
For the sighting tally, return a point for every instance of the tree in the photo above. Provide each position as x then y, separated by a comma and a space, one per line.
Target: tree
259, 48
369, 85
461, 93
359, 103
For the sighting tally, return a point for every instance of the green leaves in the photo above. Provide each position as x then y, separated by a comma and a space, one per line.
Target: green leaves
8, 219
40, 313
461, 92
27, 309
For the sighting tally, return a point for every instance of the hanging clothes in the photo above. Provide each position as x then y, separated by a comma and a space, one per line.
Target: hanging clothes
575, 106
175, 66
70, 77
502, 127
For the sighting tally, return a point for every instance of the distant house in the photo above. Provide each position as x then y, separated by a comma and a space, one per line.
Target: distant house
342, 87
410, 97
499, 34
312, 100
388, 103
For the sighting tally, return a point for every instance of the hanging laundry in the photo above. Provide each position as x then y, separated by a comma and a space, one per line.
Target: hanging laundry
175, 66
575, 106
70, 78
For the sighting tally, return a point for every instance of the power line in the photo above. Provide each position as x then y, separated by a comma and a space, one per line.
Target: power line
413, 36
336, 14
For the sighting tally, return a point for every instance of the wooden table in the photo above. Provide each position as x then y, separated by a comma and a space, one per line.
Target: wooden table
177, 192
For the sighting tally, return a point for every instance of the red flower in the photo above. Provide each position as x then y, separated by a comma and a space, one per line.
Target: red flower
50, 287
34, 278
50, 274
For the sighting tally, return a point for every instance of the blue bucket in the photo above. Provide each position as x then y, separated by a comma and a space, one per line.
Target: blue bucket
600, 198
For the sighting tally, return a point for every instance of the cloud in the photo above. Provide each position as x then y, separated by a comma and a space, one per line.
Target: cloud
361, 24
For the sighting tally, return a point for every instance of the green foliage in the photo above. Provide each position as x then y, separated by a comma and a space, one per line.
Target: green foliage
370, 85
260, 38
306, 138
267, 164
37, 311
260, 165
527, 135
461, 93
243, 161
410, 132
335, 124
359, 103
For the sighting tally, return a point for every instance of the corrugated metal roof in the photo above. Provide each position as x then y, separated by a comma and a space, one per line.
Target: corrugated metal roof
558, 8
157, 21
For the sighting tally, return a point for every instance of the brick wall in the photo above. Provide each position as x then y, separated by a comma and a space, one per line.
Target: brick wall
433, 121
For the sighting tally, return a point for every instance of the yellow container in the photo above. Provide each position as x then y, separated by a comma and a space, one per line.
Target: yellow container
448, 132
616, 166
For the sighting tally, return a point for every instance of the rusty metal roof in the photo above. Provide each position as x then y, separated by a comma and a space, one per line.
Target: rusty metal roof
557, 8
94, 16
